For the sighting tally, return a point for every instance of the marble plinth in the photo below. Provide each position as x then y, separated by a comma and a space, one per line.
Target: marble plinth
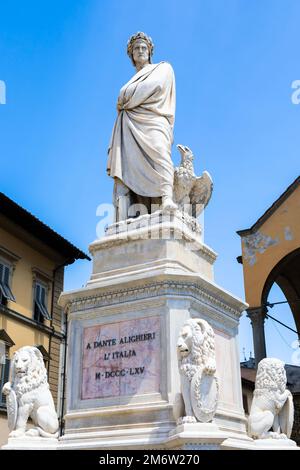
31, 443
196, 436
275, 444
149, 276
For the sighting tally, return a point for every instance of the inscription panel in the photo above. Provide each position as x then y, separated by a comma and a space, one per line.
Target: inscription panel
121, 359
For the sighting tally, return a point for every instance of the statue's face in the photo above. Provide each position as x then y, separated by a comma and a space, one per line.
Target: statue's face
22, 361
184, 343
140, 52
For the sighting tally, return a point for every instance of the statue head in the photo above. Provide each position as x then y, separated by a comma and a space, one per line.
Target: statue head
270, 375
142, 39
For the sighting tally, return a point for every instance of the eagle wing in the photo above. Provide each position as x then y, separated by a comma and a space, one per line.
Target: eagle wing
201, 192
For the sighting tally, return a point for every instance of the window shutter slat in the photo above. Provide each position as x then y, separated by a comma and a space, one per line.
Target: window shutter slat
4, 379
40, 307
6, 275
37, 292
43, 295
8, 293
6, 370
43, 310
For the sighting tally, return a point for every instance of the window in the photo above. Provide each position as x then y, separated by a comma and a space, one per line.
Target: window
5, 291
5, 343
40, 303
45, 354
4, 377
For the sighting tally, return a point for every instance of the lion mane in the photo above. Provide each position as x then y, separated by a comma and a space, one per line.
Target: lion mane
36, 374
200, 344
271, 376
196, 363
29, 396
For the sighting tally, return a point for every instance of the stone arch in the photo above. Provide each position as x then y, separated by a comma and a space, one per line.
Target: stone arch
271, 254
286, 274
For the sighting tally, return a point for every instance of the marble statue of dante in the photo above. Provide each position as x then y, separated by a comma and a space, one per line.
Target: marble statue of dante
140, 149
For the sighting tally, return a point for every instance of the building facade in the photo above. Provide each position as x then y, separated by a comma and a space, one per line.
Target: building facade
271, 254
32, 262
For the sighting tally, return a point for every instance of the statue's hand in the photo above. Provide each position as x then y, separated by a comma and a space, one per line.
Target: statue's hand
119, 106
6, 388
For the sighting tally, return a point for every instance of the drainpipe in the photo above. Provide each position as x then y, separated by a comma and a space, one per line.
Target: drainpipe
63, 377
52, 306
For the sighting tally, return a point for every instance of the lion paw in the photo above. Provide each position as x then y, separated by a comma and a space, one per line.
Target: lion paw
209, 370
188, 419
6, 388
17, 433
185, 420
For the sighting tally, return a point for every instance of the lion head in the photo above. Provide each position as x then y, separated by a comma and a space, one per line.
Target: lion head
270, 375
195, 346
28, 371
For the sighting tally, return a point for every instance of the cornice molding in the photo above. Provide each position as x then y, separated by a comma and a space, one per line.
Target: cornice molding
9, 256
150, 291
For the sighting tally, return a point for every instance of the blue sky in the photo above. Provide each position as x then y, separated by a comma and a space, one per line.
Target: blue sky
64, 61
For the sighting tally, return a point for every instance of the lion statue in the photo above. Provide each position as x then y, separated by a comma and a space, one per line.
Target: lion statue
197, 366
272, 405
28, 395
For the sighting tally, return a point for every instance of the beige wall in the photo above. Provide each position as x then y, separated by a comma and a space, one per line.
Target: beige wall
283, 228
22, 279
31, 255
22, 335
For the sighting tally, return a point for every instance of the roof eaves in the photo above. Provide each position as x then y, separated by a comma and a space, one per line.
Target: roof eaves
32, 224
271, 209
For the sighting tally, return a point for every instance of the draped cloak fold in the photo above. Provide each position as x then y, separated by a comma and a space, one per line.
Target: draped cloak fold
140, 148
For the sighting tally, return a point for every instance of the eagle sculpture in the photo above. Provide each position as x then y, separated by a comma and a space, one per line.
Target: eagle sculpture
191, 193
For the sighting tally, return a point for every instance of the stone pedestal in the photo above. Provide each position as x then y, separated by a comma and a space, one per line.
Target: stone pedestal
275, 444
196, 436
149, 276
259, 444
31, 443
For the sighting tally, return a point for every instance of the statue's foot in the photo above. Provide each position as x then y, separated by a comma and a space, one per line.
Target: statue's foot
17, 433
168, 204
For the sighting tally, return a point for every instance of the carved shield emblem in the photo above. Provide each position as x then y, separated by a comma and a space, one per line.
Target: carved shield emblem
204, 396
12, 410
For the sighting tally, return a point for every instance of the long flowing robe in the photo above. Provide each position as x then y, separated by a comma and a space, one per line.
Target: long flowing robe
140, 148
